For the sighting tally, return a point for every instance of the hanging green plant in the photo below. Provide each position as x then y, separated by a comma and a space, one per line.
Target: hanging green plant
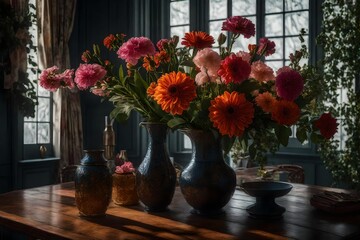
13, 35
340, 41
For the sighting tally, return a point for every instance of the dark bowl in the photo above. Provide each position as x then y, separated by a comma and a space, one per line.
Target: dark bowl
266, 189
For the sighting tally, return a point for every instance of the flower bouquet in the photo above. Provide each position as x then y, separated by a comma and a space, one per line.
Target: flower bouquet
197, 85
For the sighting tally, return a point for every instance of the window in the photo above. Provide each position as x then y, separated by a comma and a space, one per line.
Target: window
278, 20
37, 130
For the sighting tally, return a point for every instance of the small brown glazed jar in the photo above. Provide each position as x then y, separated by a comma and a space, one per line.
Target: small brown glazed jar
124, 189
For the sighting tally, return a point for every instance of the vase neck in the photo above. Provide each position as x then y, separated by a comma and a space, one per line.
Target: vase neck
157, 132
206, 145
93, 157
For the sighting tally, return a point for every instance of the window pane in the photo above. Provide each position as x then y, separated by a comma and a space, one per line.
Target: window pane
29, 133
42, 92
274, 25
272, 6
43, 133
294, 22
215, 30
243, 7
218, 9
279, 54
179, 31
292, 44
291, 5
44, 110
187, 142
179, 12
275, 65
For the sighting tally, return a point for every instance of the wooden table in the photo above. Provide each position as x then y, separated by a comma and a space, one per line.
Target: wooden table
49, 212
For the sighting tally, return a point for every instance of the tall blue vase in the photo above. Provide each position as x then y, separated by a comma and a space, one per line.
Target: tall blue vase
156, 176
207, 183
93, 184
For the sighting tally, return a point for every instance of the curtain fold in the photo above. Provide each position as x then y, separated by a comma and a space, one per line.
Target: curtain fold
55, 23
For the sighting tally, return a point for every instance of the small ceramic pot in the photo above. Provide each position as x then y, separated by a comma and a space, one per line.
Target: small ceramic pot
124, 189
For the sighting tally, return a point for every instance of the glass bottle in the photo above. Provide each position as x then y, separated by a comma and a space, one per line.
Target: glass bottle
109, 143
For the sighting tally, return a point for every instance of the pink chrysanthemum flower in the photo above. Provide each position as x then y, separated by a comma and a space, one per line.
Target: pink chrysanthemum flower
261, 72
135, 48
51, 80
88, 74
234, 69
289, 85
208, 59
266, 47
239, 25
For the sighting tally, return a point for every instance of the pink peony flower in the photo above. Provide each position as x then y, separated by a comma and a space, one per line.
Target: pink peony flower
289, 85
127, 167
239, 25
327, 125
135, 48
51, 80
261, 72
266, 47
88, 74
234, 69
208, 59
244, 55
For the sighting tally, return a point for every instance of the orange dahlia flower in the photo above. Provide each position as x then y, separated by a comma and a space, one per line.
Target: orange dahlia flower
198, 40
285, 112
174, 92
231, 113
161, 57
265, 101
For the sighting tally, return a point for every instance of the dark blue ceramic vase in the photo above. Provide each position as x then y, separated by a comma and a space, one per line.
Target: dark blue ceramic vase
93, 184
156, 176
207, 183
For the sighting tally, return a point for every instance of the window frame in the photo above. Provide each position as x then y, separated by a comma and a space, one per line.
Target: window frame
32, 150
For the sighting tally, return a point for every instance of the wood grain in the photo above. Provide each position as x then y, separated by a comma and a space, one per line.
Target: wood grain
49, 212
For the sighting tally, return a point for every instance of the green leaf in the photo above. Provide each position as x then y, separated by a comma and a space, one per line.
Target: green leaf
301, 134
175, 122
227, 142
283, 133
121, 75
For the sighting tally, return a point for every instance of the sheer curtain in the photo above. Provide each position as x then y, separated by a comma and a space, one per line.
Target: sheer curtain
55, 23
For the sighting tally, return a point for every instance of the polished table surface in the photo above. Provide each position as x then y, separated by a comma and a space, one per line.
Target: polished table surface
49, 212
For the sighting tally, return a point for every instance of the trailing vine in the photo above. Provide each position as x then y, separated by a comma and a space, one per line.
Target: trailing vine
14, 33
340, 41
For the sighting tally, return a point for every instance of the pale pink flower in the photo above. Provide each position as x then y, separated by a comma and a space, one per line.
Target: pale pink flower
88, 74
135, 48
127, 167
261, 72
289, 85
244, 55
202, 77
51, 79
208, 59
